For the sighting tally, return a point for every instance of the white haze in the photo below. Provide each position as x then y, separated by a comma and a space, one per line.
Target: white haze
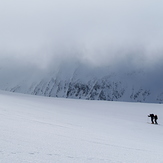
101, 33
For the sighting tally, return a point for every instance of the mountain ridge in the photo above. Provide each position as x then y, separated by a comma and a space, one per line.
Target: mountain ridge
90, 84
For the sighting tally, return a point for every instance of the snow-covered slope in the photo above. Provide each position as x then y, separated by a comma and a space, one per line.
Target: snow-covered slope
86, 82
37, 129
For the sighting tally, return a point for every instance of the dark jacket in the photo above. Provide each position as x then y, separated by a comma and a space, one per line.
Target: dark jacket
151, 115
155, 117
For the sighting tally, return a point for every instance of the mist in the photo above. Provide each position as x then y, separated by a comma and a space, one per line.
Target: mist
48, 34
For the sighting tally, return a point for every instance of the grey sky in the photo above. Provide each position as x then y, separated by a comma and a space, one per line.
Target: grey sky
96, 31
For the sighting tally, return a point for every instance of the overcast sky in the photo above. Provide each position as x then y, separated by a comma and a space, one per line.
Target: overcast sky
100, 32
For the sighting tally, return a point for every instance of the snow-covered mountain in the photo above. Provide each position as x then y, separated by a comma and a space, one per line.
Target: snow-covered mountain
86, 82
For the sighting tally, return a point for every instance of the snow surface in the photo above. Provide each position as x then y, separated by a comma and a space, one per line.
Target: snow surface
38, 129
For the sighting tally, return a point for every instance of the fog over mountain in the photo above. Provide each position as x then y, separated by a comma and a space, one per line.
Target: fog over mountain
113, 45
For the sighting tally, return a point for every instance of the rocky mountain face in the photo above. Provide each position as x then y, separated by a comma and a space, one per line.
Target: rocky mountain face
95, 84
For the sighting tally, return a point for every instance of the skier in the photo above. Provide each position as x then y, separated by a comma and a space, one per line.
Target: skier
155, 118
152, 117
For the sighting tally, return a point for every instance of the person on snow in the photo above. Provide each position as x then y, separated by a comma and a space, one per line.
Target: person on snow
155, 118
152, 117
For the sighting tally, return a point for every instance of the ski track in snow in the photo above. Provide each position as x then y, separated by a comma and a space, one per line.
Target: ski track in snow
46, 130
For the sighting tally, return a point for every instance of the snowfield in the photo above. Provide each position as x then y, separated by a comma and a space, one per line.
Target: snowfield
37, 129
